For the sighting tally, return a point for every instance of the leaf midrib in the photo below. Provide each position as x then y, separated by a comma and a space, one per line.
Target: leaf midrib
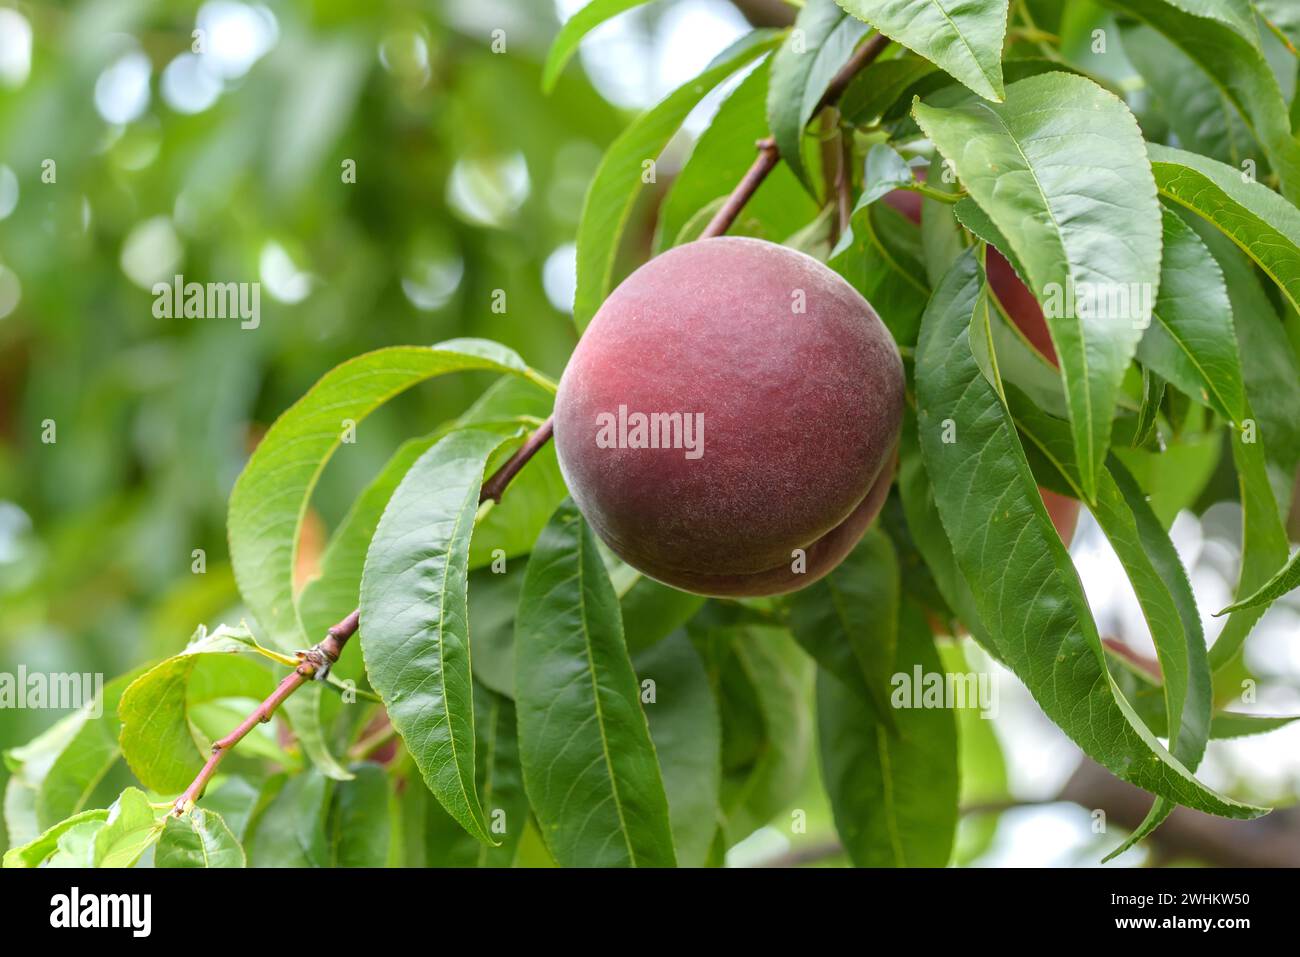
595, 691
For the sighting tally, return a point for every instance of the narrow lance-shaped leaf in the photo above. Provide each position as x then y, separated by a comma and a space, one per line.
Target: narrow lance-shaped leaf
1283, 18
684, 726
893, 794
331, 596
1191, 341
500, 786
1262, 223
359, 822
1160, 583
821, 42
1025, 586
574, 29
1199, 113
1272, 383
875, 91
848, 621
1060, 170
415, 621
917, 495
336, 591
1287, 579
589, 765
763, 681
271, 495
288, 829
1221, 37
964, 39
1270, 366
623, 173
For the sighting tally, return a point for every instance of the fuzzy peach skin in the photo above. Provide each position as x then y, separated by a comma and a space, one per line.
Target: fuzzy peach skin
800, 388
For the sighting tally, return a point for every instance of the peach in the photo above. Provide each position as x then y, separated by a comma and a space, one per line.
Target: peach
728, 423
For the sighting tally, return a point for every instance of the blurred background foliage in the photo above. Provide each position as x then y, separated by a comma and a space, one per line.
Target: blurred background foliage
126, 158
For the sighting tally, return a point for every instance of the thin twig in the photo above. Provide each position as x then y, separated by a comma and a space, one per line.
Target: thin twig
317, 660
497, 482
862, 57
844, 187
768, 154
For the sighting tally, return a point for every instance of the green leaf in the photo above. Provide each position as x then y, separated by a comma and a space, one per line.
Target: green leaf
719, 158
1163, 592
589, 763
875, 91
1262, 223
1269, 364
63, 766
618, 180
36, 851
493, 599
821, 42
981, 764
893, 794
1287, 578
330, 597
1264, 538
288, 829
271, 495
1264, 548
1059, 169
848, 621
886, 171
415, 621
917, 494
1025, 586
1224, 43
687, 736
1191, 343
76, 847
133, 825
653, 610
158, 738
500, 778
880, 256
359, 822
1283, 18
1203, 118
574, 29
235, 798
965, 39
1230, 724
763, 683
501, 789
199, 839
